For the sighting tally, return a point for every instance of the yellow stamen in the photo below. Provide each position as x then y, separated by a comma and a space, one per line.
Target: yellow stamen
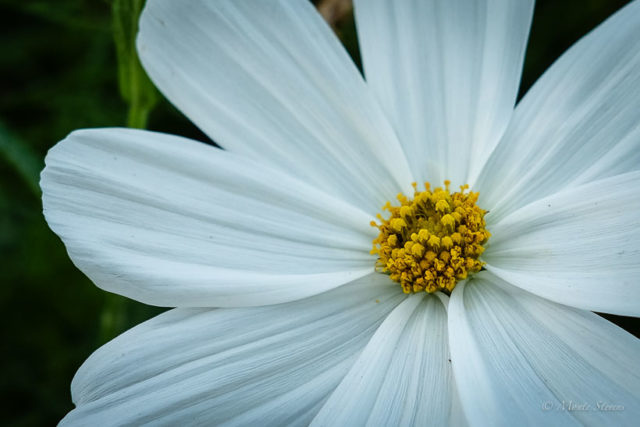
433, 241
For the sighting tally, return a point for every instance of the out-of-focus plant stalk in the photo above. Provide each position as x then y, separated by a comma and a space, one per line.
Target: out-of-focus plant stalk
113, 318
135, 87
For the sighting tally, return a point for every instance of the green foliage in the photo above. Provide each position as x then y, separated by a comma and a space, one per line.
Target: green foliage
25, 161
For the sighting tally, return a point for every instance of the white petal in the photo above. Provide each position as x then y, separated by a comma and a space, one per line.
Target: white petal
403, 376
447, 73
270, 80
173, 222
517, 359
579, 247
578, 123
268, 365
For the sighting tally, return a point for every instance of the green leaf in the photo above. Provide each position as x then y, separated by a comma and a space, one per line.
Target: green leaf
135, 87
22, 157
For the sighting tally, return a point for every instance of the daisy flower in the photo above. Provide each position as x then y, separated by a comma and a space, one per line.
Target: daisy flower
470, 298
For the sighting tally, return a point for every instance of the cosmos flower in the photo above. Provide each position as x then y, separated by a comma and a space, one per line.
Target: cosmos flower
474, 305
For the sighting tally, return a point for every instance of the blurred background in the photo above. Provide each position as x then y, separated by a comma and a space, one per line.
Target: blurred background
59, 71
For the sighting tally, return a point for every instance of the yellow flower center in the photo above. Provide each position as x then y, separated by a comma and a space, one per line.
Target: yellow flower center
433, 241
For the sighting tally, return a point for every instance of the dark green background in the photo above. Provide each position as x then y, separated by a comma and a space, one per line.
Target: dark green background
58, 72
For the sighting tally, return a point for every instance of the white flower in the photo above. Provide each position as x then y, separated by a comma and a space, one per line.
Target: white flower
282, 217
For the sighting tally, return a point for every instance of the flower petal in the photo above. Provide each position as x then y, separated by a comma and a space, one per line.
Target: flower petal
578, 123
447, 73
269, 79
403, 376
173, 222
519, 359
579, 247
267, 365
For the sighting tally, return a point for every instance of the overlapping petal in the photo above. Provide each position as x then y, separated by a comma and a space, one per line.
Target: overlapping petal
174, 222
579, 247
578, 123
447, 74
270, 365
403, 376
521, 359
270, 80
